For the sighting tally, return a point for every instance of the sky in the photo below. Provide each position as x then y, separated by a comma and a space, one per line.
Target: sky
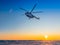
14, 23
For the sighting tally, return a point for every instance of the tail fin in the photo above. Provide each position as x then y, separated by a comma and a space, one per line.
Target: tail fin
37, 17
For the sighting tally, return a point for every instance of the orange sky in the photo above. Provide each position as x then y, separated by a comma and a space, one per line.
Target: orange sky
28, 37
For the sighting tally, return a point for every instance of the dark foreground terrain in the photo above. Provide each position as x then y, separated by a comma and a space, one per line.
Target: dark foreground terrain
28, 42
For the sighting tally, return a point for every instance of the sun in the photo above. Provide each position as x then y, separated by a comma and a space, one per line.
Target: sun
46, 36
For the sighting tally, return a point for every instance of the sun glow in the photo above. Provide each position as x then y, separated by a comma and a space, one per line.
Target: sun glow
46, 36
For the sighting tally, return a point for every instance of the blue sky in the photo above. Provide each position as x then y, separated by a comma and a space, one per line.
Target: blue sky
12, 19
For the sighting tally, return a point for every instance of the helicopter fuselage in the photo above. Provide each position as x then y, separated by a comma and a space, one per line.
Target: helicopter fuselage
29, 14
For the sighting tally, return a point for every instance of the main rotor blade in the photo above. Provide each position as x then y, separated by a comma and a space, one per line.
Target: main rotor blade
23, 9
33, 7
38, 12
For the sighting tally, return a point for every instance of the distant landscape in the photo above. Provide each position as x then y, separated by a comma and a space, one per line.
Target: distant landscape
29, 42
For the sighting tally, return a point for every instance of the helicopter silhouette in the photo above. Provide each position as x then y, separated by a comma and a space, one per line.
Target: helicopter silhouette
30, 14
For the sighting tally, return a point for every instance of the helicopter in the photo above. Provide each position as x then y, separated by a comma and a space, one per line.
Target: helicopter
30, 14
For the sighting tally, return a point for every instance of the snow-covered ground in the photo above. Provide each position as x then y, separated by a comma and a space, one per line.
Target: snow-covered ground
28, 42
